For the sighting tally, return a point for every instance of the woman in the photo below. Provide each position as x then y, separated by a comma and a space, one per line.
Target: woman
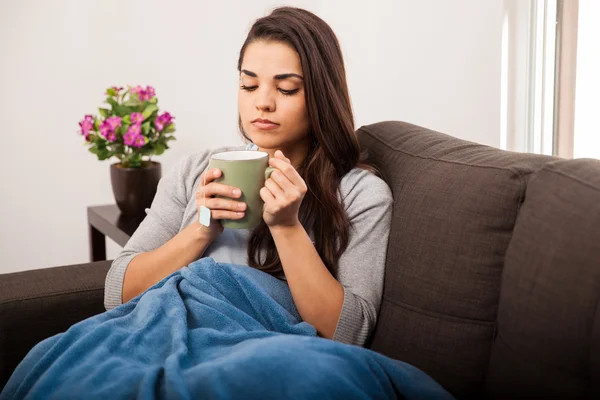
217, 330
293, 104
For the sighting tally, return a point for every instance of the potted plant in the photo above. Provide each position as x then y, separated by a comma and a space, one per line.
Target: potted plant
133, 130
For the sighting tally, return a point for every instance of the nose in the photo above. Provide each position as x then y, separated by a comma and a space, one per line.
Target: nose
265, 101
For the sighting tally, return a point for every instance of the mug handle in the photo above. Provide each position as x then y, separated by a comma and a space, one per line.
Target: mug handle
268, 172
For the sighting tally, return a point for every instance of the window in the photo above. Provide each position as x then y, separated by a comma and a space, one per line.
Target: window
551, 77
586, 135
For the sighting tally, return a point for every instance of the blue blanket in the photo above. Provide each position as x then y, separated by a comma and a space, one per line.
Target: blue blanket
214, 331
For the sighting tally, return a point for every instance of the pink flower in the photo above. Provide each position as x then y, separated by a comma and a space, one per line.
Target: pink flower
150, 92
86, 125
163, 120
135, 90
143, 94
129, 139
133, 140
139, 141
108, 126
116, 89
146, 95
134, 137
114, 122
137, 118
105, 129
134, 129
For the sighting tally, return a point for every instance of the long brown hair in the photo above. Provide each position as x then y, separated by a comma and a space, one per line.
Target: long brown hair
334, 147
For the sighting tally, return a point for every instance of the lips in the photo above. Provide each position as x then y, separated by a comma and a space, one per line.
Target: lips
264, 121
264, 124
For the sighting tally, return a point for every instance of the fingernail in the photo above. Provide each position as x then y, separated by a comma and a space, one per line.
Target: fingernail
240, 214
237, 192
242, 206
216, 172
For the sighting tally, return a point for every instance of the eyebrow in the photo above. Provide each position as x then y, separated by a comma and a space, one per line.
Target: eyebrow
276, 77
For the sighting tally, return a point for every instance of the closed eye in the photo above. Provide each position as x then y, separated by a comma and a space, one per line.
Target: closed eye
289, 92
283, 91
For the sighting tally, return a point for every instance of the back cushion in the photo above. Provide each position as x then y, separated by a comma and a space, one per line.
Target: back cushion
455, 205
548, 343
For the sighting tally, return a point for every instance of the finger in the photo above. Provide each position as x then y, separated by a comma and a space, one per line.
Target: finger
225, 204
219, 189
280, 155
209, 175
288, 170
283, 181
205, 178
205, 193
274, 188
222, 214
266, 196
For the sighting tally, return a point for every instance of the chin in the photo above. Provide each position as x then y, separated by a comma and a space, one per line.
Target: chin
264, 139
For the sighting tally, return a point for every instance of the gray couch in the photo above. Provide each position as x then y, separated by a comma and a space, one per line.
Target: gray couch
493, 270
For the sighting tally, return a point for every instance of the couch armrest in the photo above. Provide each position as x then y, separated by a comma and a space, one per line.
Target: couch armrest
37, 304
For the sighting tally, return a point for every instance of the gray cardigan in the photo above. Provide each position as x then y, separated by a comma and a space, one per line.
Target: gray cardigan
360, 270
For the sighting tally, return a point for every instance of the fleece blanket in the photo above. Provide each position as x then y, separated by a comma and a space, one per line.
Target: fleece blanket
214, 331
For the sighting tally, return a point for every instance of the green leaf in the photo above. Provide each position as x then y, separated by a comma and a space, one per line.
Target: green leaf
167, 138
150, 108
93, 149
118, 149
103, 154
104, 112
111, 92
132, 101
97, 123
127, 119
146, 127
153, 100
169, 128
159, 149
118, 109
136, 160
113, 103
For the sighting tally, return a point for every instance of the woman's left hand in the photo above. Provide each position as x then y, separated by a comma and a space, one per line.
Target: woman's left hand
283, 193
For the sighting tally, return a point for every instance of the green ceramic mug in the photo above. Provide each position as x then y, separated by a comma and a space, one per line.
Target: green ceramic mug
247, 170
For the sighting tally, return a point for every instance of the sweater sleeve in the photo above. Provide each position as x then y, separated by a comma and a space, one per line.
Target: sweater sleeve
163, 221
360, 270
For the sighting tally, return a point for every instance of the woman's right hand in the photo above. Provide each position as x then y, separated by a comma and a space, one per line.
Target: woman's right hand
220, 208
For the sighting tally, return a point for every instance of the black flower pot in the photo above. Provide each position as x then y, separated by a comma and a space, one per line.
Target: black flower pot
134, 188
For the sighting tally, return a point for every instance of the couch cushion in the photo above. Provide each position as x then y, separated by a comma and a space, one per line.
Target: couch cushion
455, 205
548, 342
40, 303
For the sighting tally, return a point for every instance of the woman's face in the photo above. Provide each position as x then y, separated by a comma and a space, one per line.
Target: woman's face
272, 89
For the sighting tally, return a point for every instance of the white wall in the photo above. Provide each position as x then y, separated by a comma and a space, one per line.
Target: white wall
431, 62
434, 63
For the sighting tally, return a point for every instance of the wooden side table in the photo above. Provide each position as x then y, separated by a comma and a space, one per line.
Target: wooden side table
107, 220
